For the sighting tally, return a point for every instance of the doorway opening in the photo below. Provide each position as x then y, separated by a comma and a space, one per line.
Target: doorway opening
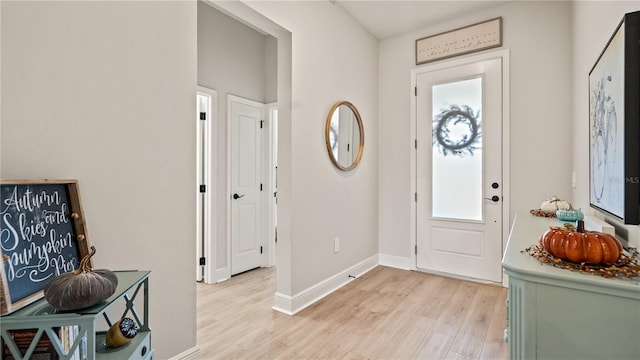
255, 63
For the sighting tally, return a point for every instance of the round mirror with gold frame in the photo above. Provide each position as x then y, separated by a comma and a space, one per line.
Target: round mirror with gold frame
344, 135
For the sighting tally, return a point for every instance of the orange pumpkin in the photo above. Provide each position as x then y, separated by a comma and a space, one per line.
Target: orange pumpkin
578, 246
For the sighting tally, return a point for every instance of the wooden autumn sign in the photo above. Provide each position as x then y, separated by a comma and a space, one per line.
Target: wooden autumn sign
465, 40
42, 235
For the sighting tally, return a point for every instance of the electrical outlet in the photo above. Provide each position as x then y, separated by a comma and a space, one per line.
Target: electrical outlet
336, 245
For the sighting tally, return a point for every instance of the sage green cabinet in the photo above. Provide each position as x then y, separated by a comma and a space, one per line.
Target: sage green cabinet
131, 299
555, 313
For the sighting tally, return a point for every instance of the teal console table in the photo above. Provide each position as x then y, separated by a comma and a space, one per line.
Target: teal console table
554, 313
80, 335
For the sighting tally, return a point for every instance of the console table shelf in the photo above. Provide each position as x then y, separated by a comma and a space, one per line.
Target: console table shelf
80, 335
555, 313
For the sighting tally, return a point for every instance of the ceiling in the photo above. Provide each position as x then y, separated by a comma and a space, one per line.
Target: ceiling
386, 18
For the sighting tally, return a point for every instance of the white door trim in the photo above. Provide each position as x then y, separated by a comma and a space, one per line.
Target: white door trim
270, 183
504, 55
207, 167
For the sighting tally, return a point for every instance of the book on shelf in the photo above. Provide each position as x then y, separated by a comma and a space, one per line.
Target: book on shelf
23, 338
45, 349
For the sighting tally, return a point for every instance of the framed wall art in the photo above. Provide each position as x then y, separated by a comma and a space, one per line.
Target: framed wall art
468, 39
42, 235
614, 124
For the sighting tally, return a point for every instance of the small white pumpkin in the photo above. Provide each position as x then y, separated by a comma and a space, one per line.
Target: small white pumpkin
554, 204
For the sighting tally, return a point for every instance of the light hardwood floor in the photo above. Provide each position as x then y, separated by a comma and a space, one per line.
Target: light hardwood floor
385, 314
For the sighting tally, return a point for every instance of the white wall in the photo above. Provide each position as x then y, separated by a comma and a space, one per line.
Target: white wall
593, 24
537, 35
333, 59
104, 92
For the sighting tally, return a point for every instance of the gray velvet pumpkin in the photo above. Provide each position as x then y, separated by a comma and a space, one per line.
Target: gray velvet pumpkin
81, 288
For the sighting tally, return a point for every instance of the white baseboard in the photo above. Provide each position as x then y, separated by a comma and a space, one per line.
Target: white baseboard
393, 261
189, 354
290, 305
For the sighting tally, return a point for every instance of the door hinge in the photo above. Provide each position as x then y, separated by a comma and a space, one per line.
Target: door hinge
415, 91
203, 188
260, 249
260, 186
415, 249
261, 123
415, 197
203, 116
415, 143
203, 261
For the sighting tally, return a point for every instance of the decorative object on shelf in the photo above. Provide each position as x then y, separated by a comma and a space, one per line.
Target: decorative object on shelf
468, 39
569, 214
121, 332
626, 267
81, 288
580, 246
554, 204
45, 219
614, 124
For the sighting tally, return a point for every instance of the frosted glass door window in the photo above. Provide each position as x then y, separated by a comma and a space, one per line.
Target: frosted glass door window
457, 160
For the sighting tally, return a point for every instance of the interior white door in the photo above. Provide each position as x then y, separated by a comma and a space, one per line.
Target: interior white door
459, 170
246, 169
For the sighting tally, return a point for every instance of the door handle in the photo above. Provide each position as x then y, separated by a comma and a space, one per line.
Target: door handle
494, 198
236, 196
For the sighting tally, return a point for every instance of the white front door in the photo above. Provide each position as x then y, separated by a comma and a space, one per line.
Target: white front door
459, 170
245, 120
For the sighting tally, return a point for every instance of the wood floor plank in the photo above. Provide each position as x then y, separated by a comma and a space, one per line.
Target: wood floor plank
434, 305
450, 319
469, 340
437, 346
494, 342
408, 342
385, 314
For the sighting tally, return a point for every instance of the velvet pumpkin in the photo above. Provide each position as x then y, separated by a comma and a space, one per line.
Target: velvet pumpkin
81, 288
580, 246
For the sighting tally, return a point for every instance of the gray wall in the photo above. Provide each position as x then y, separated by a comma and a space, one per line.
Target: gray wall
103, 92
537, 35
